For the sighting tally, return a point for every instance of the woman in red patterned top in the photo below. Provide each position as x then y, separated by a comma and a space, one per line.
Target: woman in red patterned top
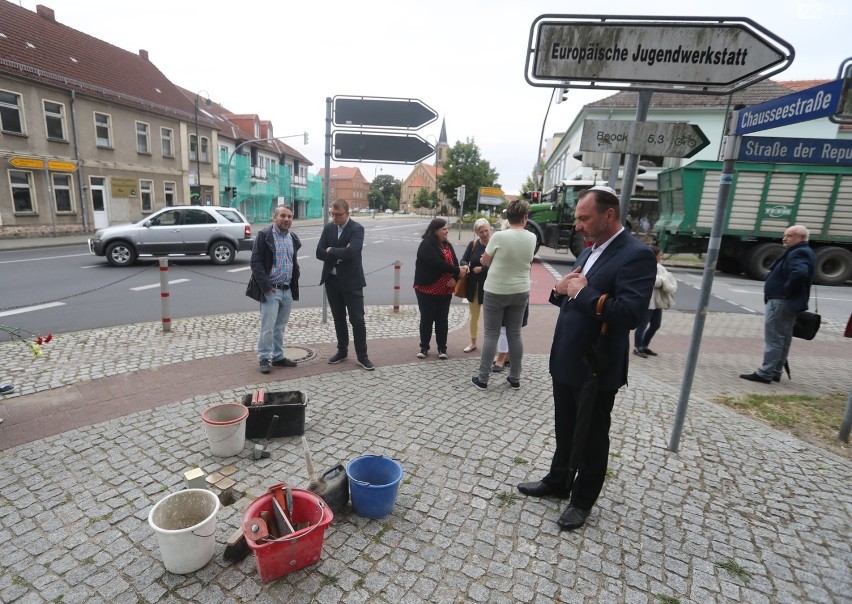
435, 274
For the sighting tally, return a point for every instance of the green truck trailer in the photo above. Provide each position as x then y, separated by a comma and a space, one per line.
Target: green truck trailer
764, 200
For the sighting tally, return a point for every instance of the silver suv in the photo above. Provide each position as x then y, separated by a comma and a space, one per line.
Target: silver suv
190, 230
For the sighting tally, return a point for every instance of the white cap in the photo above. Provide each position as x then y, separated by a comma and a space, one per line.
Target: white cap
603, 188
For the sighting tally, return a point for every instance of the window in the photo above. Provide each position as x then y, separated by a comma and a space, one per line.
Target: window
103, 130
62, 193
166, 139
205, 149
22, 191
142, 140
146, 190
54, 120
10, 112
193, 147
169, 193
198, 217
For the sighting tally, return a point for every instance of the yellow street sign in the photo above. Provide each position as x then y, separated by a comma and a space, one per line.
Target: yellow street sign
61, 166
491, 191
30, 163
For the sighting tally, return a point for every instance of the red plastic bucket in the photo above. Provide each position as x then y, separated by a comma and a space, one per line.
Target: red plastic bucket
276, 558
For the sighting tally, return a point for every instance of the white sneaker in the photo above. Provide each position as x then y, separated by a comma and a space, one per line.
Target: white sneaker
443, 355
422, 354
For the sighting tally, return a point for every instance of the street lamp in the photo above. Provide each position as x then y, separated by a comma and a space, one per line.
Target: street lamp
208, 103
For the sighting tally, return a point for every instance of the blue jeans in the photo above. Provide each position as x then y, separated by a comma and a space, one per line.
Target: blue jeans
778, 323
499, 310
274, 314
650, 324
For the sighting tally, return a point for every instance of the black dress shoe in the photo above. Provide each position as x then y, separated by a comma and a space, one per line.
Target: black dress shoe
573, 518
285, 362
753, 377
542, 489
339, 356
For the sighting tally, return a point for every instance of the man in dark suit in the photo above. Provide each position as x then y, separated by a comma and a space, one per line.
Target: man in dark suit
339, 248
625, 269
786, 293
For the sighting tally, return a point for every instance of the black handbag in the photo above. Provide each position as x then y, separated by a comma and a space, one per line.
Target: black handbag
807, 325
253, 290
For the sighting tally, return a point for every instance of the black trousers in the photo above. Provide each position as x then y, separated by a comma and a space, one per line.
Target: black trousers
591, 473
341, 302
434, 310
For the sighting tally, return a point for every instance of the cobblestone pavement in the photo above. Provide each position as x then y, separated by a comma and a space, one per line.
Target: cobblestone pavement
741, 513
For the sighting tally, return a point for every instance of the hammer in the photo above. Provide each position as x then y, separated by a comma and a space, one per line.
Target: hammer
260, 451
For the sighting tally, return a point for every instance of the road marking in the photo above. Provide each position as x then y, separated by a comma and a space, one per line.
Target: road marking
237, 270
19, 311
140, 288
45, 258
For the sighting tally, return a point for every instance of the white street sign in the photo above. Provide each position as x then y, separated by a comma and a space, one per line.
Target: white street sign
661, 139
714, 56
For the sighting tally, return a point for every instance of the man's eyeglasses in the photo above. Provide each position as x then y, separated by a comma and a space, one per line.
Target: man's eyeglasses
338, 213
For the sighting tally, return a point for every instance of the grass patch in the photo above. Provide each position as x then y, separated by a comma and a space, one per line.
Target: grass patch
666, 599
520, 461
328, 580
506, 499
736, 570
814, 419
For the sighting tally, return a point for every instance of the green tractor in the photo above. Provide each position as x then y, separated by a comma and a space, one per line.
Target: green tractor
551, 219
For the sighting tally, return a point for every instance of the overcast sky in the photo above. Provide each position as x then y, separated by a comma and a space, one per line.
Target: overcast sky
464, 58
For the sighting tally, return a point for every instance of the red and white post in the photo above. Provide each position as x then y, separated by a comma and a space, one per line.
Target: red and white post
164, 293
397, 271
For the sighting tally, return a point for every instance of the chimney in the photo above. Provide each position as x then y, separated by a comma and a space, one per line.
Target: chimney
45, 12
143, 53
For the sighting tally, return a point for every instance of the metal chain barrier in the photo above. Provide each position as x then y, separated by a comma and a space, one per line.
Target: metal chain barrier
82, 293
200, 274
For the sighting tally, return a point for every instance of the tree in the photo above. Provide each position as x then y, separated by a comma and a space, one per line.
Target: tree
424, 198
386, 190
464, 166
530, 183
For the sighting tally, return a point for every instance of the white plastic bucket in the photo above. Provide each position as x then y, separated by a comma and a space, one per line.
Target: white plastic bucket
226, 428
185, 523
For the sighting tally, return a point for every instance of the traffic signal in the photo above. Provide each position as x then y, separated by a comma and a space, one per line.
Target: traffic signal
306, 138
536, 196
561, 95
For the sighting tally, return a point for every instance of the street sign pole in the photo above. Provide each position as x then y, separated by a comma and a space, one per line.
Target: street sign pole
326, 204
632, 160
726, 178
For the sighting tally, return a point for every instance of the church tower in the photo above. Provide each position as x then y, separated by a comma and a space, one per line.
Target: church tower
442, 147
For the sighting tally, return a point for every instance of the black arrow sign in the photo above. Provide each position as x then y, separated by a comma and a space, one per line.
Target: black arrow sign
408, 114
387, 148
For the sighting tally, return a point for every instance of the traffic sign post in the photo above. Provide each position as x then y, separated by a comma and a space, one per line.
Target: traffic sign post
377, 112
819, 151
661, 139
388, 148
698, 54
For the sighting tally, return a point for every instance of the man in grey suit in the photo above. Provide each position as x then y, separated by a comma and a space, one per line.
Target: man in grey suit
624, 269
339, 248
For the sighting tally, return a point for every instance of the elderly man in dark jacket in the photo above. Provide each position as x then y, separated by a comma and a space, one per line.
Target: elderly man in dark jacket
786, 293
275, 270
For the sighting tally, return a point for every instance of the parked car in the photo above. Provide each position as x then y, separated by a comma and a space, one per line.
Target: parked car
388, 211
189, 230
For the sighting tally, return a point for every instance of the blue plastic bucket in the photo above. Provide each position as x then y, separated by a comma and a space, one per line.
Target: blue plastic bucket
373, 484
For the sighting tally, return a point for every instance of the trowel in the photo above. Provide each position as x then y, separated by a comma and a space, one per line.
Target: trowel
332, 486
260, 451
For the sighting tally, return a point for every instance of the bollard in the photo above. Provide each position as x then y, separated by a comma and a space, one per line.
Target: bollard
164, 293
397, 270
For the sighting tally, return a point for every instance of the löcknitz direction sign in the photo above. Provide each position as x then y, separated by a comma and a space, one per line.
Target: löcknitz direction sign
391, 148
661, 139
380, 112
722, 55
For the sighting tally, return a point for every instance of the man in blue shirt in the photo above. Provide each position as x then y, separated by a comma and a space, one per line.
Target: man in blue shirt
275, 267
786, 293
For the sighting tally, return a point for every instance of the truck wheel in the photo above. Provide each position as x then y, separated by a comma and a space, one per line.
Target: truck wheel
833, 265
537, 238
120, 253
759, 258
729, 264
578, 244
222, 252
